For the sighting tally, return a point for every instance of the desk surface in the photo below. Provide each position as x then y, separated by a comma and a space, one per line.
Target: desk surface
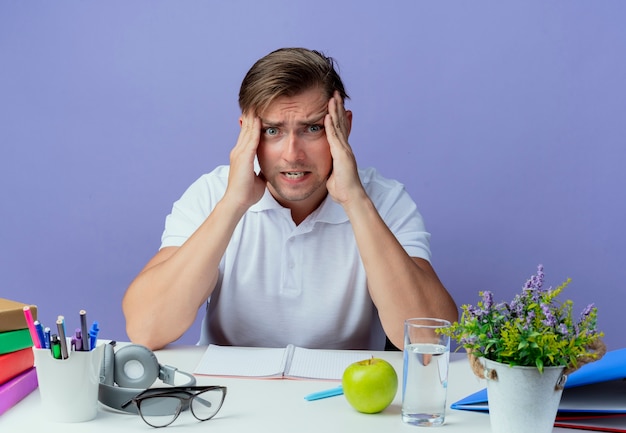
269, 405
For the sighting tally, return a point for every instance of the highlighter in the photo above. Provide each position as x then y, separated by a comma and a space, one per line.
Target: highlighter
28, 315
55, 346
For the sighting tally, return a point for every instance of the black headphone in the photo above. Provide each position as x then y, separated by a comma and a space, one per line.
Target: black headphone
134, 368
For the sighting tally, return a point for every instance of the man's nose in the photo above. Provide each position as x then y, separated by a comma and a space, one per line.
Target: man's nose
293, 151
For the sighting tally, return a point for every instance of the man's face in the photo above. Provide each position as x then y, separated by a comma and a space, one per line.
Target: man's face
293, 152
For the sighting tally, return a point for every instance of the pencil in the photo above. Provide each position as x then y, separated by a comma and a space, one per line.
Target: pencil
83, 330
62, 339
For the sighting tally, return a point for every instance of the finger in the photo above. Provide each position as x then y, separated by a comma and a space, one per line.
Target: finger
339, 114
247, 123
335, 128
338, 102
331, 131
250, 132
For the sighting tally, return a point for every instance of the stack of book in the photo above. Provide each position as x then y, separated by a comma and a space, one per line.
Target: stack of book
18, 377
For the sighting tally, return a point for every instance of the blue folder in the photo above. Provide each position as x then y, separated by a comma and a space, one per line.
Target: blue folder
604, 388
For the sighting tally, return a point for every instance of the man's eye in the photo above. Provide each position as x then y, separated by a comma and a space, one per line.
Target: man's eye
271, 131
316, 128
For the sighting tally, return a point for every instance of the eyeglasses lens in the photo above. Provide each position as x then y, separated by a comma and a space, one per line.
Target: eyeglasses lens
160, 411
206, 404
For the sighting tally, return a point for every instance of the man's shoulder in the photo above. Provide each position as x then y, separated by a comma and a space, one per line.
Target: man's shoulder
218, 177
219, 172
211, 184
372, 179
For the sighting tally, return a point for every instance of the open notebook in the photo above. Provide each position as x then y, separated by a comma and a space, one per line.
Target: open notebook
290, 362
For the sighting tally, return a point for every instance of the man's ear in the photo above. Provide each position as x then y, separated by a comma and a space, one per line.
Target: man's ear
240, 121
349, 118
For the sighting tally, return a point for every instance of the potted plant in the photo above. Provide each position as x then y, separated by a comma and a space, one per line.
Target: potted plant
525, 348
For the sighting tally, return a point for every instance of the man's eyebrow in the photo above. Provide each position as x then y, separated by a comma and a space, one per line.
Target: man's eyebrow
311, 121
266, 122
315, 120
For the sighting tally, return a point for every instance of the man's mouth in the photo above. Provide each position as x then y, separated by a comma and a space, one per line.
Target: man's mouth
294, 174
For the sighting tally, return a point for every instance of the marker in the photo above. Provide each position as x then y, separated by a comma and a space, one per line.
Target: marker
77, 340
93, 335
55, 346
62, 339
46, 333
324, 394
83, 330
28, 315
40, 335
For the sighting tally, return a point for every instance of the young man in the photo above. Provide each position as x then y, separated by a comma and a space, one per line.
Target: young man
305, 248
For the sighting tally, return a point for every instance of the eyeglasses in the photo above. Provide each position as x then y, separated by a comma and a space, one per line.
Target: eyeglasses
159, 407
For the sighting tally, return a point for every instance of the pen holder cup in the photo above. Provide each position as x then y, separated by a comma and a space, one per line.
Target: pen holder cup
69, 387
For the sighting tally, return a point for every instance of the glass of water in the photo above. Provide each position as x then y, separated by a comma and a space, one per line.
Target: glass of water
425, 378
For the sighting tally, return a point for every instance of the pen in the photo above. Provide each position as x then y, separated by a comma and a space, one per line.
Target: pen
28, 315
55, 346
324, 394
62, 339
83, 330
93, 335
40, 335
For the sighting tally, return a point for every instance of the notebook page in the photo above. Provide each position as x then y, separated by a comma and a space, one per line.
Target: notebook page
241, 361
322, 364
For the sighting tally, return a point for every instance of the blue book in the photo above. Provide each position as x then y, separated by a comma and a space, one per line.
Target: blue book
598, 387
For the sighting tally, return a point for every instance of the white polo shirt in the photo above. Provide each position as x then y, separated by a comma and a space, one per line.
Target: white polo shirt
284, 284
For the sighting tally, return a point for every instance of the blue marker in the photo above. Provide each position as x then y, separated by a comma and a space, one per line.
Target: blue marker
40, 334
93, 335
47, 338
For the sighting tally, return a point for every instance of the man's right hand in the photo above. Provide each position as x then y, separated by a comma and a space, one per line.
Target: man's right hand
245, 187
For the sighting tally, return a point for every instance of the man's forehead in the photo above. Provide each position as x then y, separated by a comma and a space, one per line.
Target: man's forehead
308, 106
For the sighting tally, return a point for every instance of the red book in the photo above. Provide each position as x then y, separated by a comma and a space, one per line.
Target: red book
14, 363
613, 422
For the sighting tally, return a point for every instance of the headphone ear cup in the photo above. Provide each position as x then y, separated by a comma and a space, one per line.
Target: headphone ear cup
135, 367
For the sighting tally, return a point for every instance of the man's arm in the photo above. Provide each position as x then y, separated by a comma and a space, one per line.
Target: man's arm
163, 300
401, 287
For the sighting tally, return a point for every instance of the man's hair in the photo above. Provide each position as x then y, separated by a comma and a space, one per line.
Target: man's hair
288, 72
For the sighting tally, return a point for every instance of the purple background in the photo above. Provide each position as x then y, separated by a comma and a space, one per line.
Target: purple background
506, 121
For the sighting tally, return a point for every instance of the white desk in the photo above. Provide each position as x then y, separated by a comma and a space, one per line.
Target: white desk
278, 405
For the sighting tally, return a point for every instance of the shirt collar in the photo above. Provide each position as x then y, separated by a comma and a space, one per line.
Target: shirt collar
328, 212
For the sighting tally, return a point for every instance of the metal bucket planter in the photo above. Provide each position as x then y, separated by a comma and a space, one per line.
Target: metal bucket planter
521, 399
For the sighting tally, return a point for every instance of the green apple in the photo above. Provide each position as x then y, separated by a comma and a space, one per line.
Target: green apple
370, 385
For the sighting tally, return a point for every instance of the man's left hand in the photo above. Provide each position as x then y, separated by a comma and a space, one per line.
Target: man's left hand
343, 183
